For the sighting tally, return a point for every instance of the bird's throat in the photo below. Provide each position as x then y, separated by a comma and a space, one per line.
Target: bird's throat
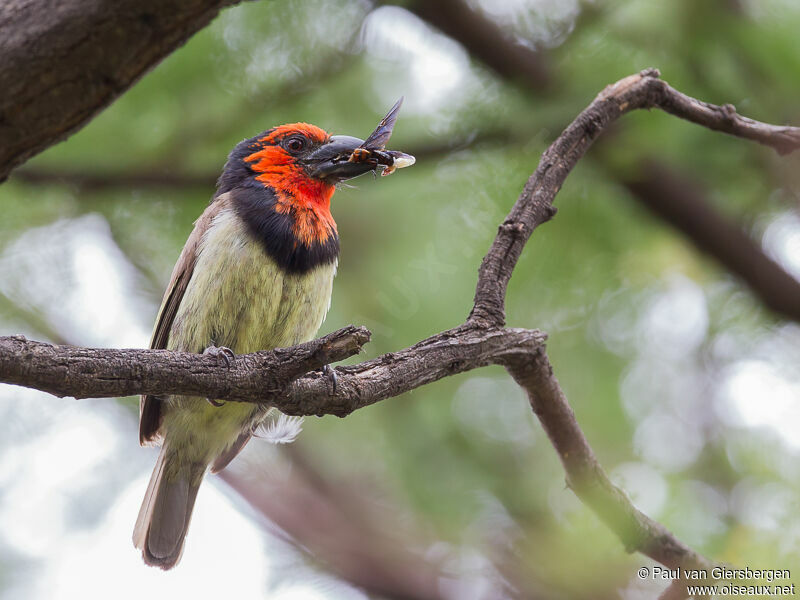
297, 231
309, 207
306, 200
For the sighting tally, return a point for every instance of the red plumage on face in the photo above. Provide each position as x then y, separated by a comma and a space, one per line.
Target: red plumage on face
306, 199
312, 132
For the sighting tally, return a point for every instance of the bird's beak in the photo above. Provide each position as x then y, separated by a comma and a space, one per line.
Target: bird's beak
331, 160
337, 159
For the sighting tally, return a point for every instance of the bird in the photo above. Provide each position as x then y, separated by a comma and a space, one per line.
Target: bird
256, 273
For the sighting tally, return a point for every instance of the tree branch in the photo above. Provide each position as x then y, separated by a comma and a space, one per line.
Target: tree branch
682, 203
147, 177
482, 340
454, 351
777, 288
66, 61
586, 477
141, 178
333, 521
101, 373
486, 39
263, 376
535, 203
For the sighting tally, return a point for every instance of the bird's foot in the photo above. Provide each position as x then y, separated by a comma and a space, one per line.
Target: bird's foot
330, 373
224, 356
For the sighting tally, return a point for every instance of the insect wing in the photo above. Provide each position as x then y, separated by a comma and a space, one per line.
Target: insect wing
378, 138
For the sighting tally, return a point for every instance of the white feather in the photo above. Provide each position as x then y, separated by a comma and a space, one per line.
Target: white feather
281, 430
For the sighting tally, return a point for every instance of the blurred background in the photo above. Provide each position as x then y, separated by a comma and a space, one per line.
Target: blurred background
686, 384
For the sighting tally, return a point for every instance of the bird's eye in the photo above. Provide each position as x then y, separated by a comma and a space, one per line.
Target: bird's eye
295, 144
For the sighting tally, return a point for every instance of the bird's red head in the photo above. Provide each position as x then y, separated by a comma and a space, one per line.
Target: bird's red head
300, 164
281, 182
278, 162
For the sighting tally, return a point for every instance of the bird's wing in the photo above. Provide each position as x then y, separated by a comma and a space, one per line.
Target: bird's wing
149, 405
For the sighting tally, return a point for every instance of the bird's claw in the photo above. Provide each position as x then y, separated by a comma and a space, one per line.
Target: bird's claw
222, 354
330, 373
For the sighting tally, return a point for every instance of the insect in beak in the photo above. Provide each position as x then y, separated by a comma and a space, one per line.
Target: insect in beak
373, 146
344, 157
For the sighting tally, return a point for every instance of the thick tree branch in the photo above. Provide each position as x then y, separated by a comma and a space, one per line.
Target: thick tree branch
102, 373
263, 376
64, 61
448, 353
482, 340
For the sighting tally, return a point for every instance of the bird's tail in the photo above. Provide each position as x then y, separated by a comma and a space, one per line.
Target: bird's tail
167, 509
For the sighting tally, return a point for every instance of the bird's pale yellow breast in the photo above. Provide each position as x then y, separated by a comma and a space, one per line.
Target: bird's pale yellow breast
239, 298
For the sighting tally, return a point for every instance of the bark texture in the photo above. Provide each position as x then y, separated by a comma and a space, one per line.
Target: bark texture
98, 373
66, 60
